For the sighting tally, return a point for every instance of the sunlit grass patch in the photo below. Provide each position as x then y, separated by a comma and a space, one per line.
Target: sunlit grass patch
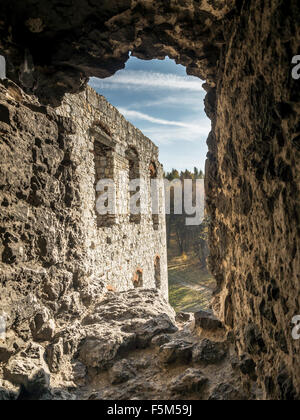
190, 286
184, 299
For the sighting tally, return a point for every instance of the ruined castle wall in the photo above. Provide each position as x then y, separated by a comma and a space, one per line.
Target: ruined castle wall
116, 251
53, 254
253, 191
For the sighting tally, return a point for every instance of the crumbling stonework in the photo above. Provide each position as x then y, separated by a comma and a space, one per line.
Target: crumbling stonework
49, 215
253, 191
53, 47
122, 346
118, 247
243, 49
58, 257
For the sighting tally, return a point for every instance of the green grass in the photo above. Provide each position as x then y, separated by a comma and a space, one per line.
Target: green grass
184, 299
184, 275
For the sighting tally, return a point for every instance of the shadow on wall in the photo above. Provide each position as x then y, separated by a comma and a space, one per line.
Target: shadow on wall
2, 67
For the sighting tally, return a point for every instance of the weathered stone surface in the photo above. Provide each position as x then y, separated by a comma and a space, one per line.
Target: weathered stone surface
247, 366
183, 317
253, 187
116, 349
58, 395
42, 326
207, 321
90, 290
62, 255
122, 322
94, 39
209, 352
113, 240
54, 354
226, 392
79, 371
98, 351
176, 351
135, 389
122, 371
192, 380
9, 346
160, 340
5, 352
29, 370
157, 325
8, 392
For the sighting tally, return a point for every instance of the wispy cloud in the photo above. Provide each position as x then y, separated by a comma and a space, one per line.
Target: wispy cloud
163, 135
165, 132
166, 104
201, 128
137, 79
177, 100
173, 101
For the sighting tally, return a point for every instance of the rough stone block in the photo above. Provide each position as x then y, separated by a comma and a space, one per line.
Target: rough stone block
207, 321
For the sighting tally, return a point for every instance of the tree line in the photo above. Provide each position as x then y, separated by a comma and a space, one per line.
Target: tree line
189, 239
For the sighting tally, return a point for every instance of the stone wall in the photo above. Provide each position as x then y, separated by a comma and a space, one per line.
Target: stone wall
128, 242
53, 251
253, 191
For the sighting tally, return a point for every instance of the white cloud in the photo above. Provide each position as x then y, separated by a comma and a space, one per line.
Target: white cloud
195, 102
141, 116
167, 135
137, 79
181, 129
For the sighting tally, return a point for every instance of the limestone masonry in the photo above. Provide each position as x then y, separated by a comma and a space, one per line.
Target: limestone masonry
123, 250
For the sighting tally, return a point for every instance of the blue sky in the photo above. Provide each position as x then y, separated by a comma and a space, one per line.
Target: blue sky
166, 105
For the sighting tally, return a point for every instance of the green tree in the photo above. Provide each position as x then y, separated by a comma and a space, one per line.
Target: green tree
185, 236
200, 241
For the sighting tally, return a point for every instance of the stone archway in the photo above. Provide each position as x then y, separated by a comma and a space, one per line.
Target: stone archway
96, 40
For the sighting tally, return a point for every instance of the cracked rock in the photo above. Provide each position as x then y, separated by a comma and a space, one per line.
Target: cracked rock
209, 352
121, 372
207, 321
226, 392
176, 351
29, 370
8, 392
43, 327
192, 380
